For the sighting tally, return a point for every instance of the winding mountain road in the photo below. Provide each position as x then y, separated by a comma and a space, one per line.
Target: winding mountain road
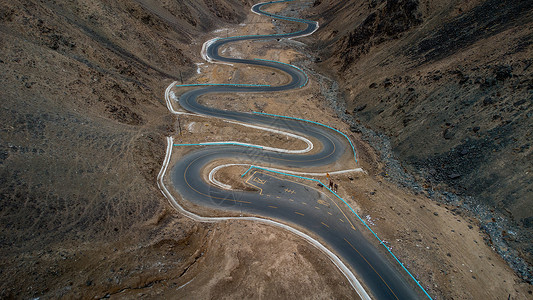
281, 197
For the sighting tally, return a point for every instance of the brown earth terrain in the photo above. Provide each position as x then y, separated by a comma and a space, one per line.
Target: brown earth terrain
81, 143
81, 212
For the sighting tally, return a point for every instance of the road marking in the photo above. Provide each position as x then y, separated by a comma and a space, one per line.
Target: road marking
290, 191
341, 220
308, 142
371, 267
330, 213
333, 201
299, 213
292, 200
278, 197
260, 189
271, 206
341, 211
322, 202
259, 180
325, 224
319, 201
317, 207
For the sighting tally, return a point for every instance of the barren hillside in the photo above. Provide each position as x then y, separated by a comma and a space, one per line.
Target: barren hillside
450, 85
447, 84
81, 142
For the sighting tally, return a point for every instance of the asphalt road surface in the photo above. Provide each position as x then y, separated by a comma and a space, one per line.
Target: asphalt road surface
279, 197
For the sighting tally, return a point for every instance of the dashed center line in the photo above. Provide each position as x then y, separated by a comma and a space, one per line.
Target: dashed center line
325, 224
299, 213
272, 206
322, 202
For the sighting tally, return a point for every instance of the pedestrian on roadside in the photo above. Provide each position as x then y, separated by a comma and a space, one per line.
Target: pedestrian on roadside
335, 187
330, 185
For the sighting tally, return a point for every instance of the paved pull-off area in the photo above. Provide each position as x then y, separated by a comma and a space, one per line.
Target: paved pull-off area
287, 198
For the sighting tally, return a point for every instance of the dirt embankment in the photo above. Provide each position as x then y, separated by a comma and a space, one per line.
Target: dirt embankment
81, 143
450, 84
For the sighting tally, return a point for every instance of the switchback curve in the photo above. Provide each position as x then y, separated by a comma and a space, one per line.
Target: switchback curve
380, 275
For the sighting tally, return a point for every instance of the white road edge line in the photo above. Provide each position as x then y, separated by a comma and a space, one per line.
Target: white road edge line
334, 258
168, 95
227, 187
310, 144
294, 37
317, 26
214, 181
168, 100
253, 145
206, 57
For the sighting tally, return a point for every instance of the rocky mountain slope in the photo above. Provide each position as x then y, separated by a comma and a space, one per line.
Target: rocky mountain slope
450, 84
81, 143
